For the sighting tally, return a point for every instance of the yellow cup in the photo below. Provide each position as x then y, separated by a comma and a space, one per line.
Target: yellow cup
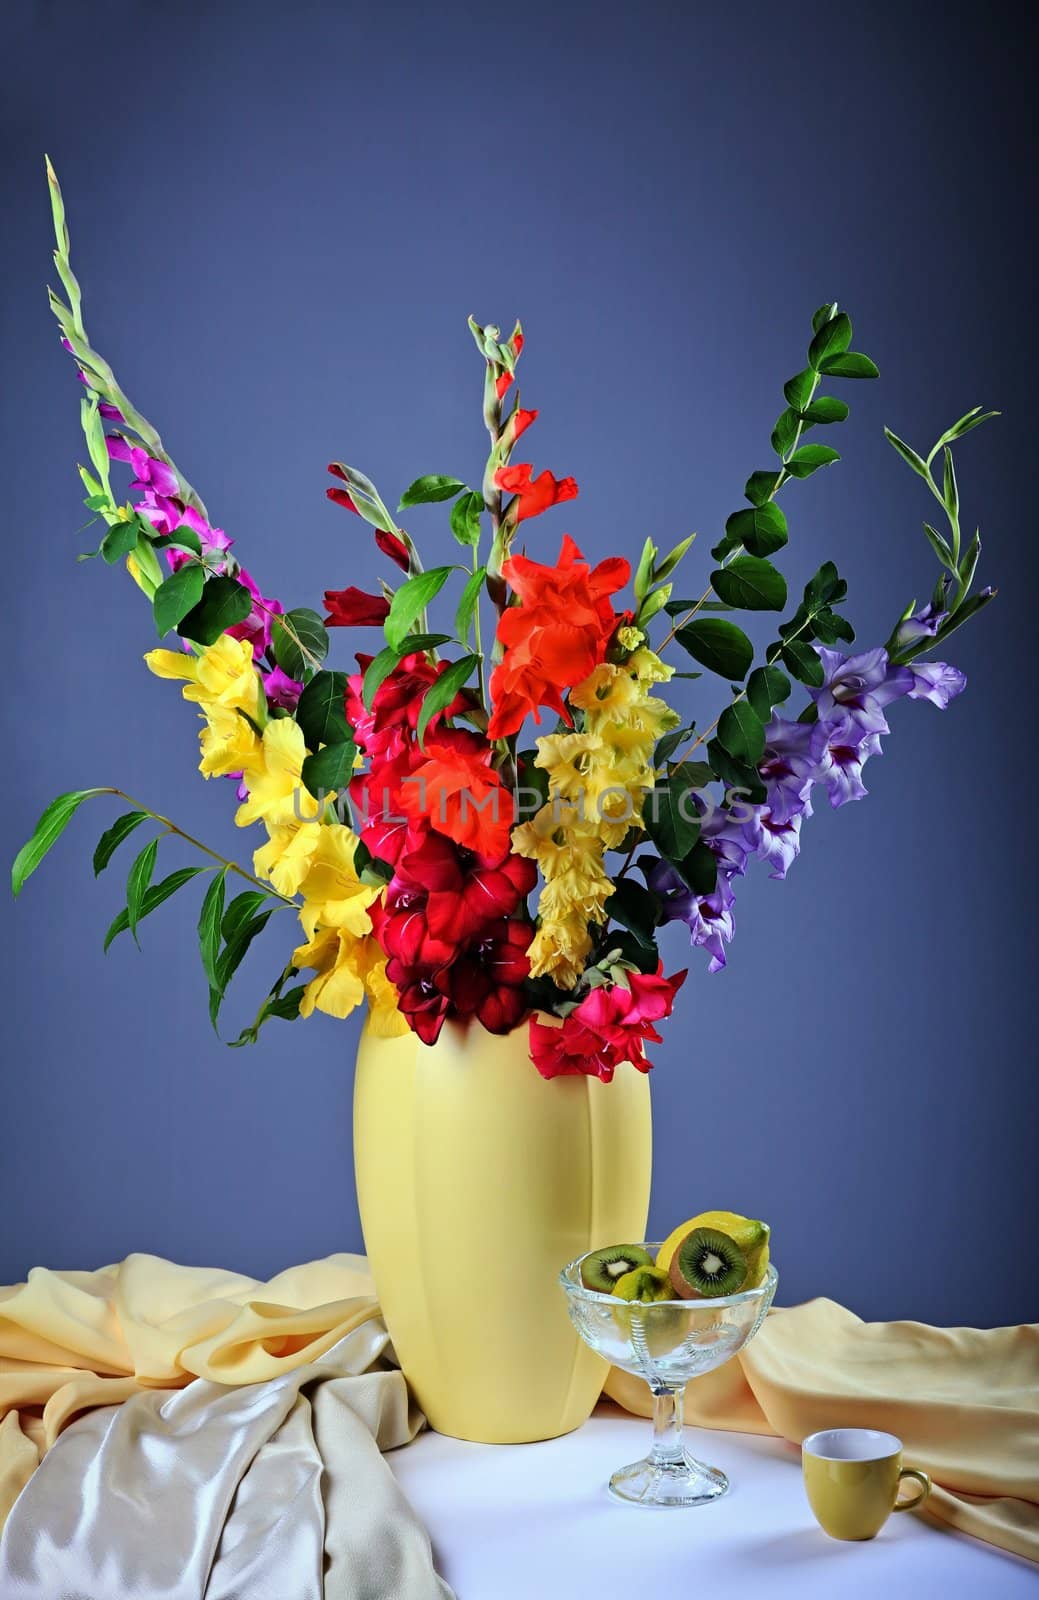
852, 1477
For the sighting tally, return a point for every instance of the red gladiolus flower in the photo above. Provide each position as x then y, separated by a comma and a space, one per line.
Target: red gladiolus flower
389, 543
419, 999
486, 980
354, 608
533, 495
502, 383
609, 1026
385, 730
555, 636
520, 421
456, 791
340, 496
462, 892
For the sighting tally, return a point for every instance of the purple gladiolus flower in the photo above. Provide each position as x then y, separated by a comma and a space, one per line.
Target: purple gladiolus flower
937, 682
732, 842
707, 916
860, 686
149, 474
922, 624
281, 690
779, 842
843, 754
788, 767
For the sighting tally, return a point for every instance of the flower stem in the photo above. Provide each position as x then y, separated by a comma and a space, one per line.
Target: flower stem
225, 861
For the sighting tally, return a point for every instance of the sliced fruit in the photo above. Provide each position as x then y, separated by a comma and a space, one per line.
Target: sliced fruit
644, 1284
750, 1236
603, 1269
707, 1264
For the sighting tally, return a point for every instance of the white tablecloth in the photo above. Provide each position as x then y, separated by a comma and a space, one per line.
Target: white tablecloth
534, 1522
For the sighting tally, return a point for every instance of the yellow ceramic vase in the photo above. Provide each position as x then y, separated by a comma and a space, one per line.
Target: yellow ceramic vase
477, 1181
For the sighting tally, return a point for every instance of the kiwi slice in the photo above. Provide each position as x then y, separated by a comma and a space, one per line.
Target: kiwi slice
603, 1268
706, 1264
644, 1284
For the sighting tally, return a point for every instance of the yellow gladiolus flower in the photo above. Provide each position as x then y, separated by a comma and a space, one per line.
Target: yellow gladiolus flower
276, 791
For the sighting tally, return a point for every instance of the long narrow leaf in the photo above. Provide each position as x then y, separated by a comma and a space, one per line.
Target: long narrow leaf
50, 827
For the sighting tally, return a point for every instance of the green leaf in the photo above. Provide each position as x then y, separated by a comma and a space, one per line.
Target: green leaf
826, 585
666, 747
234, 951
240, 910
297, 658
949, 488
762, 530
824, 315
826, 410
409, 602
153, 898
139, 882
644, 571
973, 419
209, 921
939, 546
751, 584
850, 365
50, 827
830, 340
636, 909
760, 487
830, 627
699, 773
700, 869
465, 518
670, 818
321, 710
175, 597
908, 454
433, 486
113, 837
224, 603
718, 645
742, 732
442, 692
120, 539
968, 566
376, 673
785, 431
329, 769
182, 538
767, 687
665, 568
797, 391
102, 502
736, 774
468, 604
800, 659
809, 459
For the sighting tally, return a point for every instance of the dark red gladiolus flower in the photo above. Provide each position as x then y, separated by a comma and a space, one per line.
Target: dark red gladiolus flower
611, 1025
533, 495
354, 608
340, 496
419, 1000
401, 924
462, 892
393, 546
486, 979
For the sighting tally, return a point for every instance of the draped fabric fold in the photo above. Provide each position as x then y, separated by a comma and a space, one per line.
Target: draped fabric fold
257, 1477
220, 1437
964, 1402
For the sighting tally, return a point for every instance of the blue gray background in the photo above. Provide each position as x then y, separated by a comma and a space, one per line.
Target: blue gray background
281, 218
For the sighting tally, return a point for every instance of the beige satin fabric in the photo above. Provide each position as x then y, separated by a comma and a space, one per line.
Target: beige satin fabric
964, 1402
216, 1436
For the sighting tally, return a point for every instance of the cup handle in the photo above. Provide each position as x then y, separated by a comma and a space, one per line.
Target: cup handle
925, 1488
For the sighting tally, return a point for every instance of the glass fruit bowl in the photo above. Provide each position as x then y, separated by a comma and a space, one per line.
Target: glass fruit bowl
667, 1342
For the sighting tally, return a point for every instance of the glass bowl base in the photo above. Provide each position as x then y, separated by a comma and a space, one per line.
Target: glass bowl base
685, 1482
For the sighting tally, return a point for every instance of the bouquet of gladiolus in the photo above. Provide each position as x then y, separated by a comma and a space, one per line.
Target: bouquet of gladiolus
443, 862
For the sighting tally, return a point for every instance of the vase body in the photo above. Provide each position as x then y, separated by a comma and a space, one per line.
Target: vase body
477, 1181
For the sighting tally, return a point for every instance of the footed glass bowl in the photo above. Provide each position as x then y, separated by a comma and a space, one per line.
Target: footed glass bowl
667, 1342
